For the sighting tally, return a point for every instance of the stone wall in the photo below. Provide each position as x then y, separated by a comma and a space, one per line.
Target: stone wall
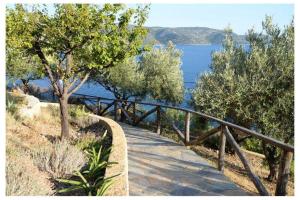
120, 186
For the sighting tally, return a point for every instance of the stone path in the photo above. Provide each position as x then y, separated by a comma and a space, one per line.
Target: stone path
159, 166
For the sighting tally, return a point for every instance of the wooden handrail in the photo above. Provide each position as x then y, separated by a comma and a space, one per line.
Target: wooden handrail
265, 138
259, 186
287, 149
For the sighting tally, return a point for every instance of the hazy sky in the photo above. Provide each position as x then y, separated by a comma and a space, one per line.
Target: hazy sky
241, 17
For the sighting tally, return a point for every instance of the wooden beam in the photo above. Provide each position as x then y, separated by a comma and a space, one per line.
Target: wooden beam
222, 150
126, 114
283, 173
178, 131
158, 120
259, 186
187, 127
145, 115
106, 108
203, 136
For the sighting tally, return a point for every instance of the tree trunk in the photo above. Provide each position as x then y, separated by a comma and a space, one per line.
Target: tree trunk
64, 115
123, 117
25, 86
270, 153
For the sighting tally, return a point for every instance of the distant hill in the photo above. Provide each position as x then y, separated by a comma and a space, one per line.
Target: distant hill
190, 35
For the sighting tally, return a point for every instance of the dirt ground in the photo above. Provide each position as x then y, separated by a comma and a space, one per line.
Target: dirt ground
24, 136
235, 171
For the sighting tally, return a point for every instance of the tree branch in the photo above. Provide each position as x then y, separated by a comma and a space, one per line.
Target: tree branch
79, 85
41, 55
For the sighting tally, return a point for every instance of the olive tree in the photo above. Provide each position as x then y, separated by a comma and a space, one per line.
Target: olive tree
155, 73
163, 74
254, 86
74, 41
21, 66
124, 81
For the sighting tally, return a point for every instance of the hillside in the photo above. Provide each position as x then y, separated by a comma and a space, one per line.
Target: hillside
189, 35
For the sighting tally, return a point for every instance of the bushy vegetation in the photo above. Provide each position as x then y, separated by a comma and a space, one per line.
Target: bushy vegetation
13, 102
254, 86
163, 74
60, 160
90, 179
77, 111
73, 42
155, 73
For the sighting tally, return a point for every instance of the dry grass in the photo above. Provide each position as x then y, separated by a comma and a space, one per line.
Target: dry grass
24, 139
24, 178
60, 160
35, 156
234, 170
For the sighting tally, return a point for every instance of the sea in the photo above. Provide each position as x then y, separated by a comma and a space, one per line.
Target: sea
196, 60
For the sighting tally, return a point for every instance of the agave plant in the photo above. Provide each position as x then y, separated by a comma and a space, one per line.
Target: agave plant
91, 178
91, 188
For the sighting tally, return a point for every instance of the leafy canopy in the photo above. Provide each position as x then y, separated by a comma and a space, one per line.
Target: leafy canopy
76, 38
163, 74
254, 86
156, 73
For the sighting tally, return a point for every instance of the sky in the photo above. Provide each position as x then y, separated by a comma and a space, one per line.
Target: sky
240, 17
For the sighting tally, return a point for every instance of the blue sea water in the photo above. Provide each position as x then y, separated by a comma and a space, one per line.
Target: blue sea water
196, 60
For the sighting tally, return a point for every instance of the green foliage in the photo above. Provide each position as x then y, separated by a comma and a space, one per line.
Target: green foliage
157, 73
85, 141
124, 80
175, 115
13, 102
255, 87
74, 41
163, 75
20, 65
77, 111
91, 178
253, 144
11, 106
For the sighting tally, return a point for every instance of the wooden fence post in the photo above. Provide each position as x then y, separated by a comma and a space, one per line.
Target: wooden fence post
222, 150
283, 172
116, 110
158, 120
258, 184
98, 106
187, 127
134, 112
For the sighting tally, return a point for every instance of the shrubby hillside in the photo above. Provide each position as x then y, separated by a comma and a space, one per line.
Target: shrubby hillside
190, 35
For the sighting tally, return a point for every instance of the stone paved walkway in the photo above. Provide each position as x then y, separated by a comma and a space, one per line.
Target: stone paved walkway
159, 166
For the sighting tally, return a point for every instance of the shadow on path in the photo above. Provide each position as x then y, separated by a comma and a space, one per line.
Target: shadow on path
159, 166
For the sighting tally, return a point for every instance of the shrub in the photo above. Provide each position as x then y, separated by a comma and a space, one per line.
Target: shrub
253, 144
61, 160
12, 102
76, 111
85, 141
90, 179
23, 178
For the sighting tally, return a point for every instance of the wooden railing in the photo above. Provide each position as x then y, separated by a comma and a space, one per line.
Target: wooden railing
117, 107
